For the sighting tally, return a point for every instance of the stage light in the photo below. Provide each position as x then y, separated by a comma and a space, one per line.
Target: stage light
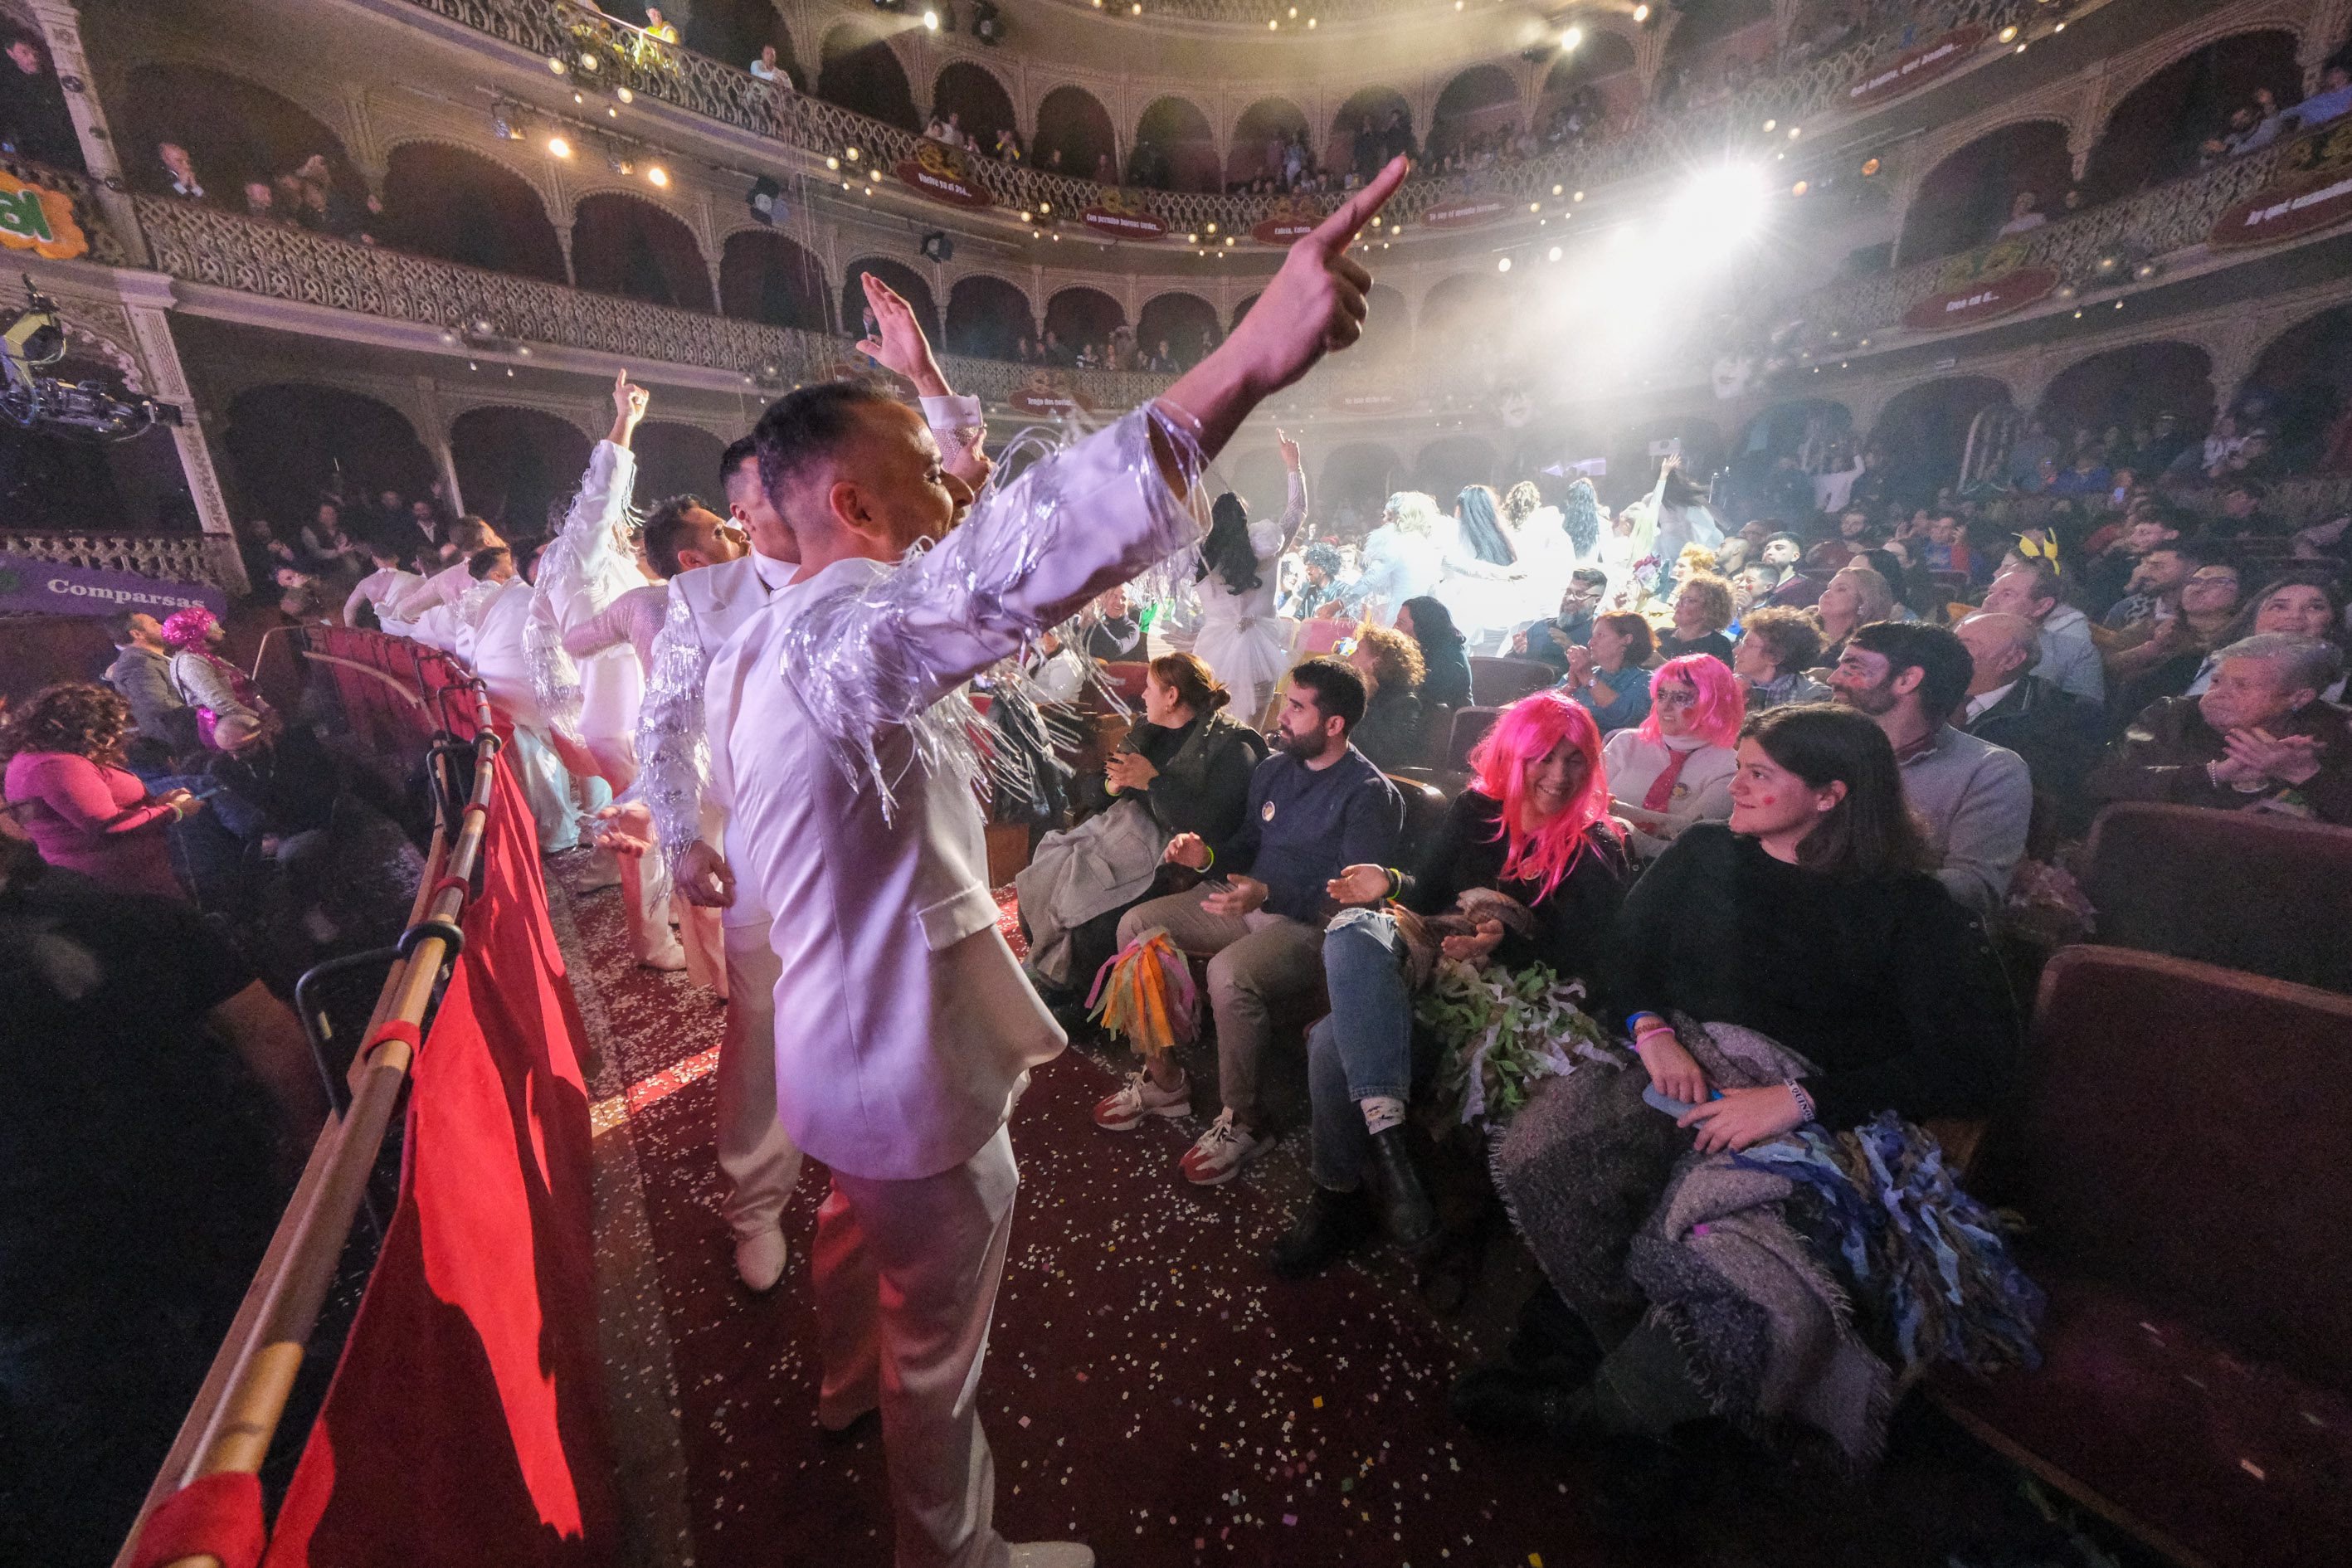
931, 21
1770, 123
559, 146
1555, 253
2008, 35
658, 176
1503, 265
1640, 13
1573, 36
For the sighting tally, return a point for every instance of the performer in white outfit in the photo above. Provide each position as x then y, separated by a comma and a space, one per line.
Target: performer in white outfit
1546, 555
1241, 639
1485, 582
382, 588
848, 777
705, 606
1403, 558
490, 620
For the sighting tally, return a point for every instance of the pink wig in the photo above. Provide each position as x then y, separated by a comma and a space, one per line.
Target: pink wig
188, 628
1722, 700
1524, 734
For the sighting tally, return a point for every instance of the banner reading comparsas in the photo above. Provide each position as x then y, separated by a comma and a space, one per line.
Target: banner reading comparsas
43, 587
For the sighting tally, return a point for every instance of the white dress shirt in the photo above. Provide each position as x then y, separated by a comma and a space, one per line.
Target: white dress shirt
587, 567
1983, 701
383, 588
905, 1029
634, 620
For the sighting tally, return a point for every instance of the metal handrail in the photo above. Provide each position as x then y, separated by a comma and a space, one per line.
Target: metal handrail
235, 1416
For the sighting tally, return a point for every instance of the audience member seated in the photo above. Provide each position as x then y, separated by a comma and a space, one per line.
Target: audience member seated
2021, 713
1854, 597
2114, 566
1676, 767
208, 683
2152, 591
1532, 828
1609, 675
2260, 738
69, 790
1975, 799
1444, 659
1185, 769
1113, 631
1316, 806
2302, 603
1804, 941
1548, 641
1702, 610
2069, 659
2160, 657
1392, 732
1777, 645
141, 676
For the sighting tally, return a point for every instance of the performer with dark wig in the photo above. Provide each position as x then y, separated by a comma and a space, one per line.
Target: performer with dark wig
1241, 640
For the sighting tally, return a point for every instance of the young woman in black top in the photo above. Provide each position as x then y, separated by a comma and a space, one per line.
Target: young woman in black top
1534, 824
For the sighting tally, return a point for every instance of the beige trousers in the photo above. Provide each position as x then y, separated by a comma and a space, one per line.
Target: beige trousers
758, 1155
1255, 963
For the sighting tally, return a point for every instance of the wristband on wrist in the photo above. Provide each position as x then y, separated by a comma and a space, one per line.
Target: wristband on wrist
1396, 881
1805, 1110
1211, 853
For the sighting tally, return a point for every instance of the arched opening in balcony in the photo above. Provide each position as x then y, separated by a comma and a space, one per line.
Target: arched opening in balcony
1084, 317
56, 483
1475, 118
1174, 149
626, 246
989, 319
1923, 433
1355, 483
911, 287
679, 459
1262, 142
517, 468
1812, 432
456, 205
1465, 313
2122, 391
2302, 387
974, 103
1445, 466
291, 445
237, 135
764, 277
733, 31
1587, 89
1970, 196
857, 71
1185, 322
1634, 470
1717, 47
1374, 125
1076, 137
2162, 128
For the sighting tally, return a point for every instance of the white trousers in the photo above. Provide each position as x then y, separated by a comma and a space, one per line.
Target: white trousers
758, 1155
905, 1277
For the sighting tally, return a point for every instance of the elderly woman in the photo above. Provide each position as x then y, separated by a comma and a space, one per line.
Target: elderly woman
1674, 768
1702, 610
1534, 826
2302, 604
1391, 731
71, 793
1795, 967
1609, 674
1777, 646
1854, 597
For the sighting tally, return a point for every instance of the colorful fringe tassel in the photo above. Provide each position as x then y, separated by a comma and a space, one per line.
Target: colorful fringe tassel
1145, 994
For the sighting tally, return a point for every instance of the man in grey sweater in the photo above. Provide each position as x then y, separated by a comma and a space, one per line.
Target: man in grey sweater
1975, 797
141, 676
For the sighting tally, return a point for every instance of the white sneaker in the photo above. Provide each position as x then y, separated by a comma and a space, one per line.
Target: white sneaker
1138, 1097
1052, 1554
1222, 1151
668, 960
759, 1259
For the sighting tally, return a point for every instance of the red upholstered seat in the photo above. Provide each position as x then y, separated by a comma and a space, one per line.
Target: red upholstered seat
2259, 893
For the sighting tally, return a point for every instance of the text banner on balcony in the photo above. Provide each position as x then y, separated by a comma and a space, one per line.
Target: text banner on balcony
1466, 212
1980, 285
1122, 215
2313, 191
43, 587
941, 173
1919, 66
465, 1423
1289, 218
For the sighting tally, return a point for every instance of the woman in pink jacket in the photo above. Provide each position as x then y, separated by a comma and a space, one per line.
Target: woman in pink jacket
83, 810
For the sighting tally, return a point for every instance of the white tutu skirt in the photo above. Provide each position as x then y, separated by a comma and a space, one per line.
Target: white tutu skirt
1248, 657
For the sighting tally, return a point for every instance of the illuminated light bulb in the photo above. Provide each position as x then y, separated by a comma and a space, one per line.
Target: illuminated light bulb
1310, 23
657, 175
577, 99
1798, 189
1795, 131
1579, 196
1535, 206
625, 95
1640, 13
1503, 265
2021, 49
2059, 28
1212, 228
1271, 24
1570, 38
1555, 253
1770, 123
2008, 35
1555, 190
931, 21
834, 164
853, 154
612, 113
559, 146
1137, 10
555, 63
1192, 239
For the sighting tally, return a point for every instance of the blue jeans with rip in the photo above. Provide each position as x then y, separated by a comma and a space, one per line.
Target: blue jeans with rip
1364, 1048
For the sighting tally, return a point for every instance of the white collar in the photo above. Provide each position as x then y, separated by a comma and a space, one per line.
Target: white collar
1983, 702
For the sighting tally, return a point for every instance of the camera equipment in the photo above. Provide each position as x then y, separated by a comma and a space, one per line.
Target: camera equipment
33, 341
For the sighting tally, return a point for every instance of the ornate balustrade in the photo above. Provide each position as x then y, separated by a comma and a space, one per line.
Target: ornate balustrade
168, 558
104, 247
596, 50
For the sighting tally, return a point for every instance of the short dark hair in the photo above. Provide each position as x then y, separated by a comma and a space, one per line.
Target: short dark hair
1338, 687
1870, 835
117, 628
1640, 642
667, 530
482, 563
1784, 536
803, 427
1789, 635
1590, 576
740, 449
1942, 660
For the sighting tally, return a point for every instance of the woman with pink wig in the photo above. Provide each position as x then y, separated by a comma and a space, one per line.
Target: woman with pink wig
1676, 767
208, 683
1533, 827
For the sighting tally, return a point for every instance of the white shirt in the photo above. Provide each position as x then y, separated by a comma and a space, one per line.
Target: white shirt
905, 1029
381, 588
634, 619
1984, 702
583, 570
1702, 790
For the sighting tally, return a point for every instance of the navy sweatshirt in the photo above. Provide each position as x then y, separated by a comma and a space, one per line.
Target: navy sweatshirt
1303, 827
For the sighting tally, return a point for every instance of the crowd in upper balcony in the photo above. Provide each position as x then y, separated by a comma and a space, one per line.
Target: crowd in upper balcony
33, 120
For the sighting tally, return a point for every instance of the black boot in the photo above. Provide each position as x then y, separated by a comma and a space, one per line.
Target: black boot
1505, 1402
1553, 1343
1333, 1225
1405, 1212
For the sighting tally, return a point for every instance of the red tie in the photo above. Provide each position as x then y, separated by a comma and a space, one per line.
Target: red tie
1662, 788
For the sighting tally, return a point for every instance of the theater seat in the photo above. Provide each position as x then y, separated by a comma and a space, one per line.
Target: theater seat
2259, 893
1127, 677
1424, 808
1470, 727
1499, 682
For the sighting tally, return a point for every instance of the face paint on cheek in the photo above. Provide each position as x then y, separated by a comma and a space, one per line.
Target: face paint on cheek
1771, 800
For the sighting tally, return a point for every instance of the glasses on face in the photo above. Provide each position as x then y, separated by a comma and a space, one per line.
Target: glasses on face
2214, 579
1678, 697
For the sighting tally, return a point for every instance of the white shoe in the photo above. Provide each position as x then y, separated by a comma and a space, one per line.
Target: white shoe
1052, 1554
668, 960
759, 1259
1124, 1110
1222, 1151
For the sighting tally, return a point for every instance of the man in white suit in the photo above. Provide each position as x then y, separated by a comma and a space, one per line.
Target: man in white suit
706, 605
910, 1030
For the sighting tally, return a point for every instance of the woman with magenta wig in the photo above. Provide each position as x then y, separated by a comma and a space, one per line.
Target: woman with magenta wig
1676, 767
1534, 826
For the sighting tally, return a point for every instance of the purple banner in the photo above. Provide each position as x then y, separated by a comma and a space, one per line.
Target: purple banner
43, 587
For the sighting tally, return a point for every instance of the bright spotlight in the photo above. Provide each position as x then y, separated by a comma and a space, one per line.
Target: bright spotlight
1503, 265
1640, 13
931, 21
1555, 254
657, 175
1570, 38
559, 146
